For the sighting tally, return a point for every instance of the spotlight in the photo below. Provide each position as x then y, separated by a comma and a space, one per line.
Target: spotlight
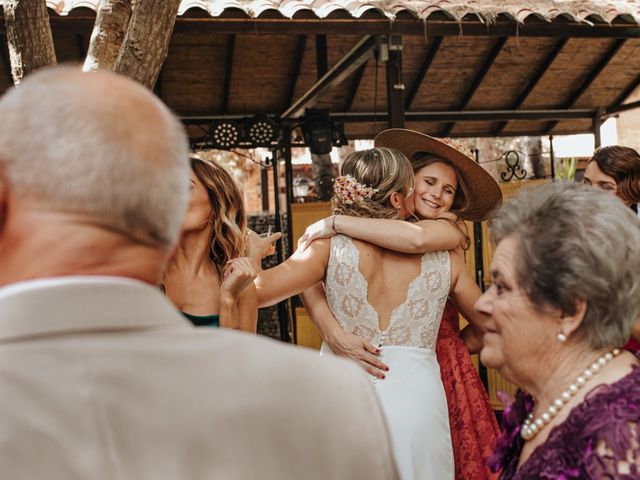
262, 131
317, 131
225, 134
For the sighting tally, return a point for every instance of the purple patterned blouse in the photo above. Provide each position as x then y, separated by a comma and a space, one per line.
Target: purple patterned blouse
609, 414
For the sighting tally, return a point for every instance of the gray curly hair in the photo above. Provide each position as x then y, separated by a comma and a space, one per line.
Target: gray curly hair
577, 243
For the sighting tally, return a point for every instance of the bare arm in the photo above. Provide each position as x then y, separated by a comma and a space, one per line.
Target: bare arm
398, 235
237, 295
299, 272
342, 343
248, 309
464, 294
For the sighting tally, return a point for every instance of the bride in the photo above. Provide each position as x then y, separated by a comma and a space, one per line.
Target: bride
393, 300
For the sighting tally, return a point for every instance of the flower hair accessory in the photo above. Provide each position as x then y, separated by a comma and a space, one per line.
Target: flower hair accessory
351, 191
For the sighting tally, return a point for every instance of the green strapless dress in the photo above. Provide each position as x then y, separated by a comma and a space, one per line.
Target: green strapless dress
203, 320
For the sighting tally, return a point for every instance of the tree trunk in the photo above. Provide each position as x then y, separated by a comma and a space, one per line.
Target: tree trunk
146, 43
29, 36
108, 34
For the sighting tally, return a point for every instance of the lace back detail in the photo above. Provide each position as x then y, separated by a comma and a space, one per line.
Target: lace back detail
415, 322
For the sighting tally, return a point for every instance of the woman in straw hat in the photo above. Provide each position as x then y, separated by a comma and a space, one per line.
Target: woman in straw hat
449, 187
391, 300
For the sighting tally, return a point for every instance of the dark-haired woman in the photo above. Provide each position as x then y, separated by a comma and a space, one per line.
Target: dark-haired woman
616, 169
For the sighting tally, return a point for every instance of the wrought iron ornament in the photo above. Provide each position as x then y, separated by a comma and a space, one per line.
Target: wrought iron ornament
512, 159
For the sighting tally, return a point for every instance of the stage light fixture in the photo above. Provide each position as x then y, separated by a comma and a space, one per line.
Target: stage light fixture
262, 131
225, 134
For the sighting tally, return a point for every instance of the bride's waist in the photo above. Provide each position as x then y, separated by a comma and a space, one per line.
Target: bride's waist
400, 352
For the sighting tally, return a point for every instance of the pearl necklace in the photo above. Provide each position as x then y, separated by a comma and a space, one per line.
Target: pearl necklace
531, 426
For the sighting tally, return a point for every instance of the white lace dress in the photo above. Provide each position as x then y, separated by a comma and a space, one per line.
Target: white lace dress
411, 395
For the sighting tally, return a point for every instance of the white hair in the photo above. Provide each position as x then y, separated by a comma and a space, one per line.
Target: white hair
99, 145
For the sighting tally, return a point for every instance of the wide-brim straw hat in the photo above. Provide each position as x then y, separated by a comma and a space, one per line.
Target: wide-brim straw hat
483, 193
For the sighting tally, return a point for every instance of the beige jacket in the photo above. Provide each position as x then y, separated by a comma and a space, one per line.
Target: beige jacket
101, 378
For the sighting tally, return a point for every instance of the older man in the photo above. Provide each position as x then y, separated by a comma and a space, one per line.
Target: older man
100, 377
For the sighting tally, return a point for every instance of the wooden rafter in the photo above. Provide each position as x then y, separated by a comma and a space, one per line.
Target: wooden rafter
355, 84
359, 54
228, 65
298, 56
593, 74
322, 58
486, 66
424, 68
627, 91
533, 81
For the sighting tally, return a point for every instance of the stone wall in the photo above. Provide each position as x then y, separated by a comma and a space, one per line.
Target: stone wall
268, 323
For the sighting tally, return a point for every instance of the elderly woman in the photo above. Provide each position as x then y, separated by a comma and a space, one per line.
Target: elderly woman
566, 291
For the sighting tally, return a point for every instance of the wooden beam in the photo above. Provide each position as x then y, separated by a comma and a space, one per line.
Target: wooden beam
415, 27
228, 65
395, 87
586, 83
359, 54
621, 108
486, 66
626, 92
533, 81
298, 56
424, 68
447, 116
357, 79
322, 59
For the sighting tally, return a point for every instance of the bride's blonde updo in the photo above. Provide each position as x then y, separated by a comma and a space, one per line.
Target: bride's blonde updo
369, 178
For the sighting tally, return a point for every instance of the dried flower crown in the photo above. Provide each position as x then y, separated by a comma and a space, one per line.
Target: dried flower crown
351, 191
461, 147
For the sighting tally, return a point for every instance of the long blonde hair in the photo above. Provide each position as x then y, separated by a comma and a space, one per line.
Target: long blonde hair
386, 171
228, 219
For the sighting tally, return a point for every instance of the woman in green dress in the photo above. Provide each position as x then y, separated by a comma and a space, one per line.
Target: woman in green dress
208, 279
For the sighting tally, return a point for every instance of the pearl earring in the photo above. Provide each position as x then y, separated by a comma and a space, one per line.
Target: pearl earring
562, 337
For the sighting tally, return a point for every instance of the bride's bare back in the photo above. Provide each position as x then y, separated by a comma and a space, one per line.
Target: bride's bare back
388, 275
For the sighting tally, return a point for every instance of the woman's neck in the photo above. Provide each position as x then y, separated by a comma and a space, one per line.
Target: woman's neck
192, 255
570, 361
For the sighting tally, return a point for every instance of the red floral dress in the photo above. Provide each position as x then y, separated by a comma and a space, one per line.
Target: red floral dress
474, 428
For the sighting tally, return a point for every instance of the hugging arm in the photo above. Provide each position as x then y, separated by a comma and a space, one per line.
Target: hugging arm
342, 343
299, 272
445, 233
464, 294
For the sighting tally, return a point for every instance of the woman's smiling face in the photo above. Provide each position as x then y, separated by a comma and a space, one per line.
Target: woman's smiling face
435, 190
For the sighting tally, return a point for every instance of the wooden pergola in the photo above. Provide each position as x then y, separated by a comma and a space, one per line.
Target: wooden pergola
446, 68
461, 69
